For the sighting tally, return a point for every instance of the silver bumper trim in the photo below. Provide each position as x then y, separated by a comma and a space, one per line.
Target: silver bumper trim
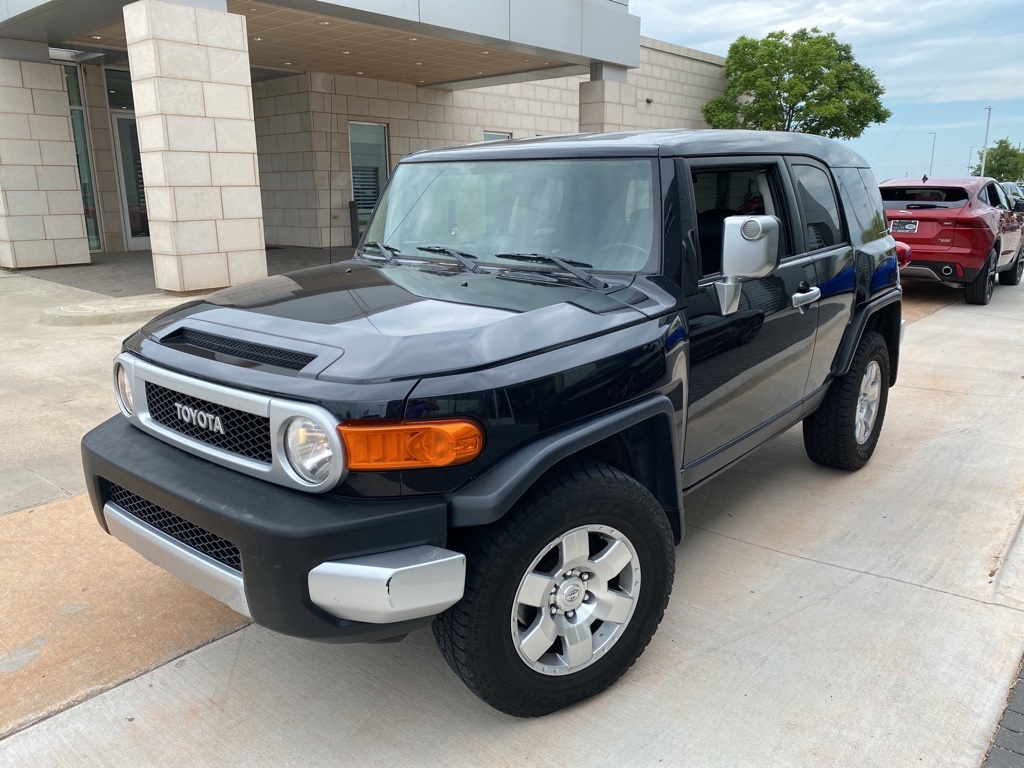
390, 586
203, 573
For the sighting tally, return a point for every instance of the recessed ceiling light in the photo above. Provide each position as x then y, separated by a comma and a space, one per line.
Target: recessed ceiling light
423, 81
324, 23
258, 39
112, 90
345, 53
359, 73
484, 52
479, 73
287, 63
96, 37
414, 39
419, 63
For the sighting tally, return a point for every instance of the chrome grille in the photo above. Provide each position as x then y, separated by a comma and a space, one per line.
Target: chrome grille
245, 434
179, 529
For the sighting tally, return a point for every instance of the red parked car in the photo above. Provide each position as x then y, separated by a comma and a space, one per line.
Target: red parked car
962, 232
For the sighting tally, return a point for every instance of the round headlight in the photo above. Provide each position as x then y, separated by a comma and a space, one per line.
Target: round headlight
124, 389
308, 449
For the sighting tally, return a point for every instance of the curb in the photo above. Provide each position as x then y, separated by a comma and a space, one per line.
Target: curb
138, 309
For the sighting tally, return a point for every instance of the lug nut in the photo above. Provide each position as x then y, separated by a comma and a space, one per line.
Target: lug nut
554, 610
584, 576
570, 614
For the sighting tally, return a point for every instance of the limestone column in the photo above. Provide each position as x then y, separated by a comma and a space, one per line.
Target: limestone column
197, 138
42, 222
607, 101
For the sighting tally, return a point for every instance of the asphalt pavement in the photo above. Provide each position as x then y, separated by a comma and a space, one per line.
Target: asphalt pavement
819, 618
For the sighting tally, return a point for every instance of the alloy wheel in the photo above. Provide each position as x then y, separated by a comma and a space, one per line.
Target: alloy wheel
575, 600
867, 402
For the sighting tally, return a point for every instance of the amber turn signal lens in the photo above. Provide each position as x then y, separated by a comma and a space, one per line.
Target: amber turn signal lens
382, 445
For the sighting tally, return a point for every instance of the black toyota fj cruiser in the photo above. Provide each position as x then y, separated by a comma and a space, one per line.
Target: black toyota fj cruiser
488, 419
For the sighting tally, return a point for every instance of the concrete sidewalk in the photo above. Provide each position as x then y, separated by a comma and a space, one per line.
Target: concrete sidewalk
819, 618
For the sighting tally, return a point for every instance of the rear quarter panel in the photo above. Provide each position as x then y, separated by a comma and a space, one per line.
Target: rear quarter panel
867, 268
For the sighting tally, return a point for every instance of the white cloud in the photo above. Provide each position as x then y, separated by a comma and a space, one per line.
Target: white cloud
930, 51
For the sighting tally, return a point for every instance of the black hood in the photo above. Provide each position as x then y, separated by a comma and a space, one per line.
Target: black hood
387, 322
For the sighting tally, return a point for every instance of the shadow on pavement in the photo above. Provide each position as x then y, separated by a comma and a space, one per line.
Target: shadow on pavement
131, 273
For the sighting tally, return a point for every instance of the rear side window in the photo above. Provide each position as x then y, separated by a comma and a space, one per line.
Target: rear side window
818, 201
911, 198
864, 213
998, 197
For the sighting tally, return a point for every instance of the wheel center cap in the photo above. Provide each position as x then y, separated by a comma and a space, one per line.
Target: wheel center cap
570, 594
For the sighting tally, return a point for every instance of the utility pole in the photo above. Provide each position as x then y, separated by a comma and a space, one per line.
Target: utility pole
984, 152
970, 156
931, 163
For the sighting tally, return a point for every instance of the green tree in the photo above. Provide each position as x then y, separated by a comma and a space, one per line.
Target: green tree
807, 82
1005, 162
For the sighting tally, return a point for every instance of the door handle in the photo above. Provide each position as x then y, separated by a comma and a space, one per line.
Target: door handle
803, 298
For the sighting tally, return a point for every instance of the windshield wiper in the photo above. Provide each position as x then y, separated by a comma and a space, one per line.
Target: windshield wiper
386, 251
570, 266
460, 256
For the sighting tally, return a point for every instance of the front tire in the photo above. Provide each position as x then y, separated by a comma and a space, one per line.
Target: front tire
844, 430
563, 593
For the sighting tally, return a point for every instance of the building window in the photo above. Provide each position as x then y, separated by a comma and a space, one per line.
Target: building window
368, 144
119, 90
496, 136
78, 132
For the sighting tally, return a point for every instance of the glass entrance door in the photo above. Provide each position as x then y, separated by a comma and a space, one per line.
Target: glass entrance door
368, 145
129, 174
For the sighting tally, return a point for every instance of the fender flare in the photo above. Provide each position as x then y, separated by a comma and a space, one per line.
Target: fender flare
854, 332
491, 495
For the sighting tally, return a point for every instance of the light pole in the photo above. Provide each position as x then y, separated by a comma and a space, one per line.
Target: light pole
970, 156
984, 152
931, 163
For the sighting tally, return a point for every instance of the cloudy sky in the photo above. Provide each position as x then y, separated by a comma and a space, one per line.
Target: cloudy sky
941, 63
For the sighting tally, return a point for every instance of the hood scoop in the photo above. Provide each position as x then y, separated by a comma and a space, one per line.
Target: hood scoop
184, 338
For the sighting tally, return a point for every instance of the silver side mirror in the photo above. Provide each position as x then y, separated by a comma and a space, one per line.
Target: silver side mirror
750, 249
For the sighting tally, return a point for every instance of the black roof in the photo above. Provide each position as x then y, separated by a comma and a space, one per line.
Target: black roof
669, 143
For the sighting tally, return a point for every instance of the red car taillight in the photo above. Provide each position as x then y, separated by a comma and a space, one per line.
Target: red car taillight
971, 222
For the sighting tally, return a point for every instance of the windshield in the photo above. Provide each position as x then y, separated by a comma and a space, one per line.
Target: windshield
595, 212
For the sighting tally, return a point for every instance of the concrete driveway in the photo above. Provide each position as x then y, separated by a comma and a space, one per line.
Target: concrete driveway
818, 618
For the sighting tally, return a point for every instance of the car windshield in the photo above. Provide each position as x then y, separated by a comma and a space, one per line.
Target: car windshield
925, 197
595, 212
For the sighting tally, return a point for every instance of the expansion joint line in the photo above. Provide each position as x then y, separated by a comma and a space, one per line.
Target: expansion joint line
856, 570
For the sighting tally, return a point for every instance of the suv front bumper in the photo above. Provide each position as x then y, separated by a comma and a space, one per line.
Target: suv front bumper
317, 566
